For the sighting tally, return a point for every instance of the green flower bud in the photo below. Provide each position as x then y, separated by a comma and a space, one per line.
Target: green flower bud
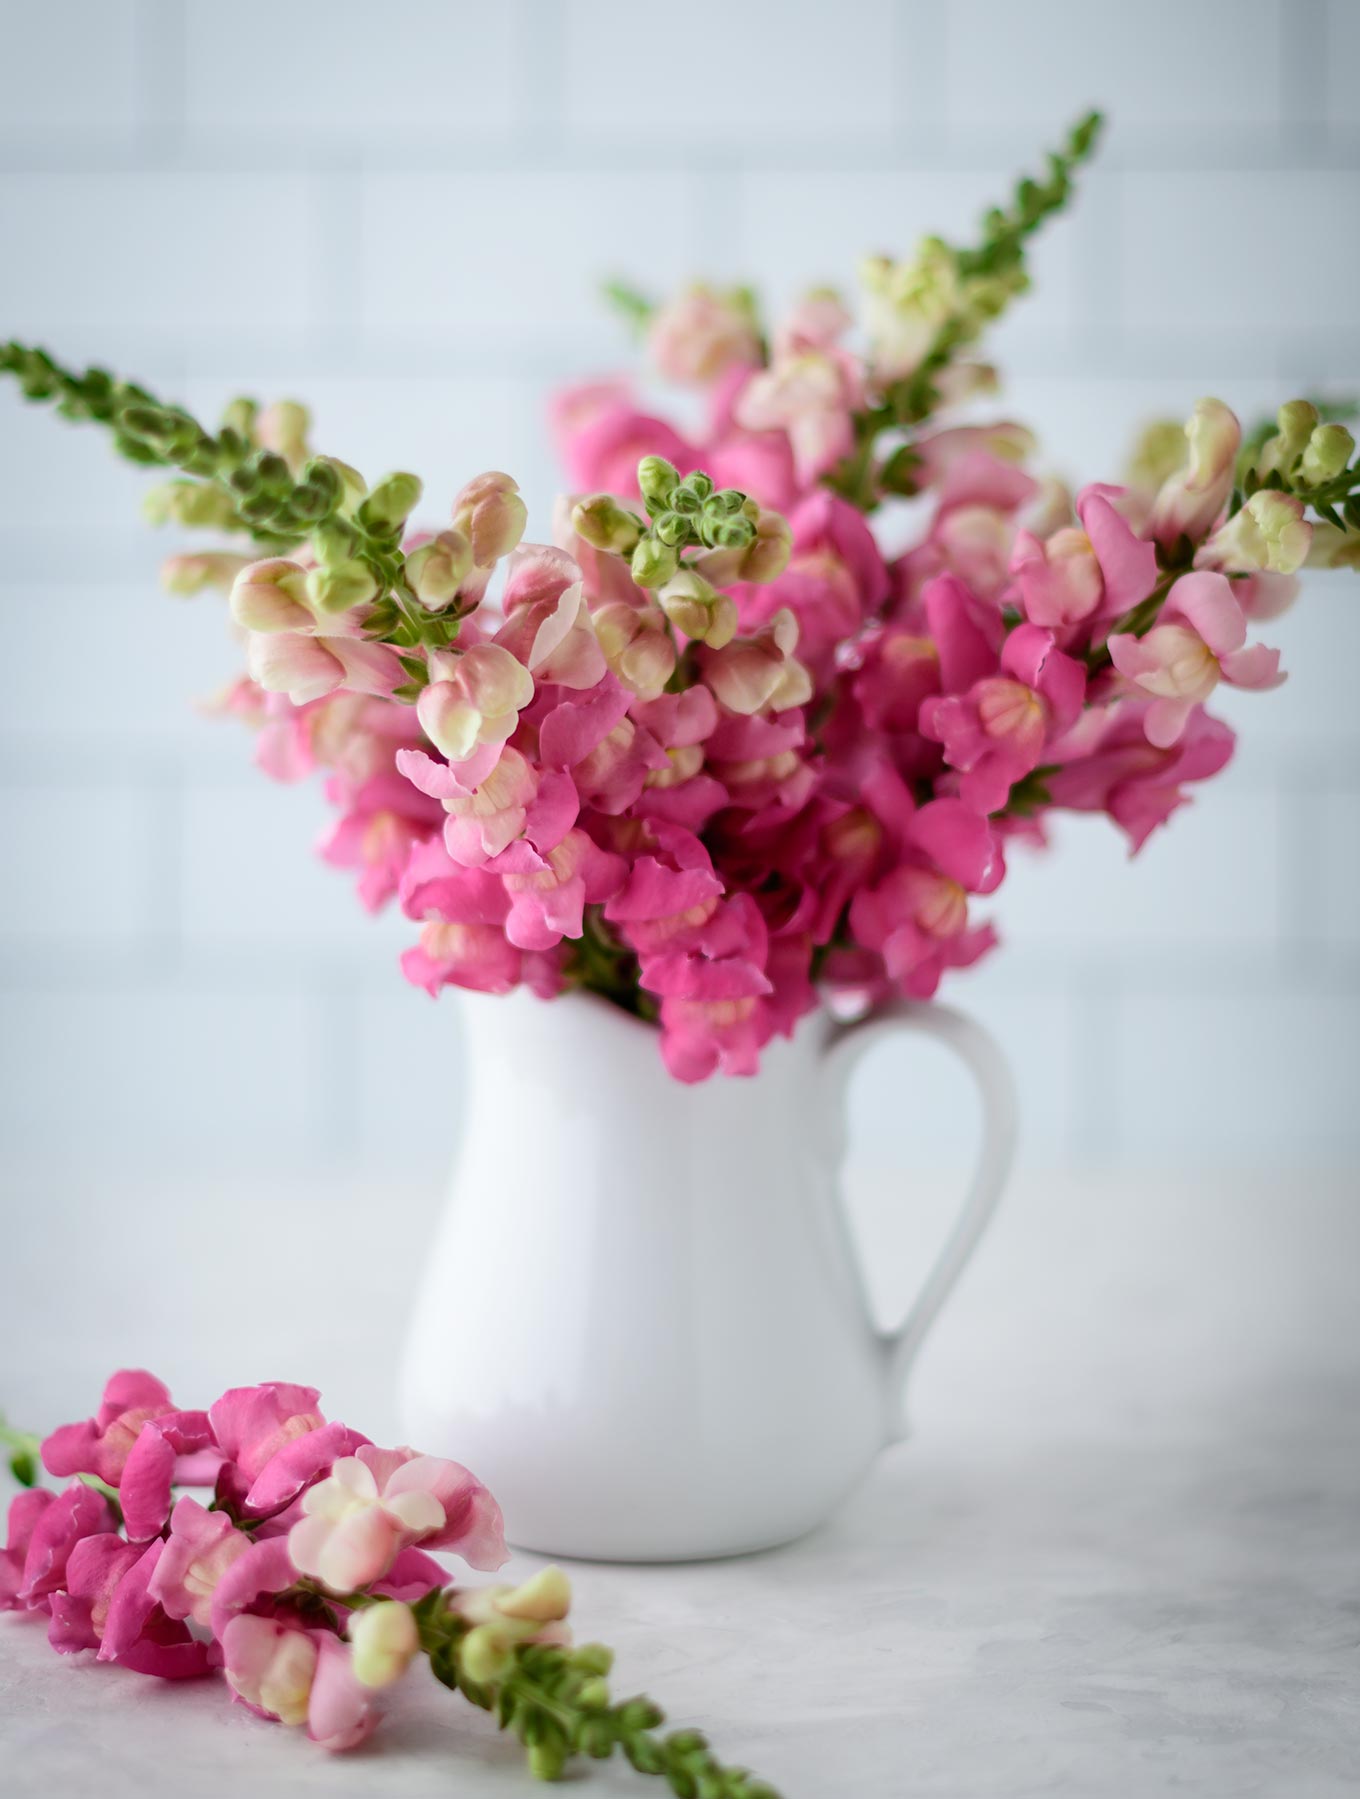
258, 509
391, 502
1296, 421
724, 502
353, 487
1328, 451
324, 476
239, 417
340, 587
188, 503
671, 529
605, 525
593, 1658
657, 480
273, 471
593, 1695
729, 534
699, 483
653, 562
640, 1714
335, 541
685, 503
283, 429
309, 504
1269, 532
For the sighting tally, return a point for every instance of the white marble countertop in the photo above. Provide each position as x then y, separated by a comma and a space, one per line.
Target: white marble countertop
1119, 1558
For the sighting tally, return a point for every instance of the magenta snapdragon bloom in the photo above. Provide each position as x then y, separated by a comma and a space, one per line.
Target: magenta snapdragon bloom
168, 1584
995, 733
101, 1445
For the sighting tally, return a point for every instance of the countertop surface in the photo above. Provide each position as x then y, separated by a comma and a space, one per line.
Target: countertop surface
1120, 1555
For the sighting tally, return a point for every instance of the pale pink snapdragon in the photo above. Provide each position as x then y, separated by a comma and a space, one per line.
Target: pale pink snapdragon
811, 393
378, 1502
295, 647
1201, 641
1191, 499
473, 700
699, 335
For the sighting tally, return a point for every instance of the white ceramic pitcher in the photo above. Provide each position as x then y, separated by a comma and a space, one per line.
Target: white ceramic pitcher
643, 1322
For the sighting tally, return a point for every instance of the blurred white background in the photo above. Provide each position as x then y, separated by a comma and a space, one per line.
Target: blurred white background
400, 213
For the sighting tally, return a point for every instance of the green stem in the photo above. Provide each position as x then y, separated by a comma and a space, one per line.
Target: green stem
995, 264
556, 1702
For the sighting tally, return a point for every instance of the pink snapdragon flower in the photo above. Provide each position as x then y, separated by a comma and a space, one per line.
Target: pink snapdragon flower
377, 1502
1109, 766
137, 1632
917, 917
548, 894
603, 436
47, 1536
25, 1511
490, 514
101, 1445
670, 895
759, 673
835, 579
513, 801
176, 1446
381, 820
548, 626
283, 1671
994, 734
1074, 575
1201, 641
637, 646
200, 1548
94, 1569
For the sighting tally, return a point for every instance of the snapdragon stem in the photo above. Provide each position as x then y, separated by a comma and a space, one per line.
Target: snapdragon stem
555, 1700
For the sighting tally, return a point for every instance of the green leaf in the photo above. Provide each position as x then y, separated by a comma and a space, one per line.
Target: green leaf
631, 305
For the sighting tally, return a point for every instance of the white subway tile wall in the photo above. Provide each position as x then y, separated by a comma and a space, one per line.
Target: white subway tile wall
401, 213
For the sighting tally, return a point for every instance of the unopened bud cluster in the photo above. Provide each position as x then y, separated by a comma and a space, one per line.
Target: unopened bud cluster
1310, 457
684, 512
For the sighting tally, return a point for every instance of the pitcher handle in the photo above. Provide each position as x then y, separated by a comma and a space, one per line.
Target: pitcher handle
978, 1050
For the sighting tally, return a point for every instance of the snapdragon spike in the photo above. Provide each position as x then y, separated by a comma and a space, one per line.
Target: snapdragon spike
292, 1557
